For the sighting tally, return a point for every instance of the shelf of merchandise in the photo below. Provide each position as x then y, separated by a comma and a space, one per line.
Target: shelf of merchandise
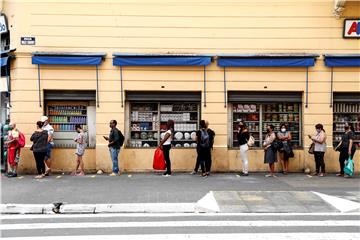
340, 117
61, 118
288, 111
158, 123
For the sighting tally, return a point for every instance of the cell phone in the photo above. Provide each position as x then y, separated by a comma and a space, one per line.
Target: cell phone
106, 138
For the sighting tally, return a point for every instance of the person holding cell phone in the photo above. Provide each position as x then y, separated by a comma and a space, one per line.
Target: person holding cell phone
116, 140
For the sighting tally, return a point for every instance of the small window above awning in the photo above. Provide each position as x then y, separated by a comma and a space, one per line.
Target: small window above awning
342, 60
160, 60
267, 60
63, 58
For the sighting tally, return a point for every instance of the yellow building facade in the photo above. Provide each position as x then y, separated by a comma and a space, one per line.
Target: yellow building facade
140, 97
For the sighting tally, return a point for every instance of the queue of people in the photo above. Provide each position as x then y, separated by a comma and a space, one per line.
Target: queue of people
43, 143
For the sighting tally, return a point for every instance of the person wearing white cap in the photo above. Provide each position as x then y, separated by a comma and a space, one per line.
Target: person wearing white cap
50, 130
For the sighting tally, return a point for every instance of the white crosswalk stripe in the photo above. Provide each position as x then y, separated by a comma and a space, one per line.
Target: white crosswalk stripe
248, 226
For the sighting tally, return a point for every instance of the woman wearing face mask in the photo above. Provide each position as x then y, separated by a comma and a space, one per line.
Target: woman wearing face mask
285, 137
319, 140
346, 147
270, 154
243, 137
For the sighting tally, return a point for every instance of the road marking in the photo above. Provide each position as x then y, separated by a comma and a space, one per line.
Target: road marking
208, 203
162, 224
343, 205
247, 236
168, 215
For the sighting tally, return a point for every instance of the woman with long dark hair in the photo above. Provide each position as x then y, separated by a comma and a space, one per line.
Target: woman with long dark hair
165, 145
346, 147
39, 148
270, 155
285, 137
243, 136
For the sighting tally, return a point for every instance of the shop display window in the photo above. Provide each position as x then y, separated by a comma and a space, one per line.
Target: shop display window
63, 116
258, 116
346, 112
148, 124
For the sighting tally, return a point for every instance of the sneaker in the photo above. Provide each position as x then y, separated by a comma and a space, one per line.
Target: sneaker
204, 175
166, 175
269, 175
193, 172
112, 174
13, 175
8, 174
244, 174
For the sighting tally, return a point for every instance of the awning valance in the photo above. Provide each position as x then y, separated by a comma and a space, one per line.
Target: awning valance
68, 58
342, 60
161, 61
266, 61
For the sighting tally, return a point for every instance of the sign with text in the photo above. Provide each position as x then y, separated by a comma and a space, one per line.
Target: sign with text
352, 28
27, 40
3, 25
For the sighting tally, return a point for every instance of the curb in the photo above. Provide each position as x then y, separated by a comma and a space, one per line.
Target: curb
97, 208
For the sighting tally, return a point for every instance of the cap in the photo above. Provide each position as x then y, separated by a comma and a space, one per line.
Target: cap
44, 118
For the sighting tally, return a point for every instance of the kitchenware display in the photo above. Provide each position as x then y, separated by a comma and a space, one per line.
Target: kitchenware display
143, 135
146, 145
179, 135
193, 136
186, 145
187, 136
136, 135
178, 145
193, 145
156, 135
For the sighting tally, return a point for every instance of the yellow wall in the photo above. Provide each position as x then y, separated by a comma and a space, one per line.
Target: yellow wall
169, 26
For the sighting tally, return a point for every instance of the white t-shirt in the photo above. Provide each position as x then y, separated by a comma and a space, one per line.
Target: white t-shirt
168, 141
50, 131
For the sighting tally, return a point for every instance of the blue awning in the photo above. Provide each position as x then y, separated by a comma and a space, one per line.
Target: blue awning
161, 60
58, 60
341, 60
266, 61
4, 61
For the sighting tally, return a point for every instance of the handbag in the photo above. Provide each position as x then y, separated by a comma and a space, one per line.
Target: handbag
251, 141
339, 147
312, 148
276, 145
349, 167
159, 160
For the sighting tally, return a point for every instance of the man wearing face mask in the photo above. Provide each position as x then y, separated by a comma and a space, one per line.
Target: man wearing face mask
346, 147
243, 137
285, 137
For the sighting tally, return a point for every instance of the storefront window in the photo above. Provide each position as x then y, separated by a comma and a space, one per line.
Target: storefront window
346, 112
256, 115
148, 123
63, 116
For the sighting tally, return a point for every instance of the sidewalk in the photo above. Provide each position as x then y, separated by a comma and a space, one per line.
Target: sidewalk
181, 188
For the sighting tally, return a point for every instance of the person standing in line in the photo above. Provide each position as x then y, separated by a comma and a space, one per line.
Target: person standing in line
39, 148
203, 147
285, 137
243, 136
346, 147
116, 140
319, 139
50, 131
165, 145
80, 150
211, 139
270, 155
13, 149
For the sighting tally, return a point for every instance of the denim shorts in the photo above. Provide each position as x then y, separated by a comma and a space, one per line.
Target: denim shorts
48, 151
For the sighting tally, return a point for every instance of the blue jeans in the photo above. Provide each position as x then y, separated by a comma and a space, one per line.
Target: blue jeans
114, 154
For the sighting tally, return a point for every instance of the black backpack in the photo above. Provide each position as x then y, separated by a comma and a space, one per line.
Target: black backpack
121, 138
205, 139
